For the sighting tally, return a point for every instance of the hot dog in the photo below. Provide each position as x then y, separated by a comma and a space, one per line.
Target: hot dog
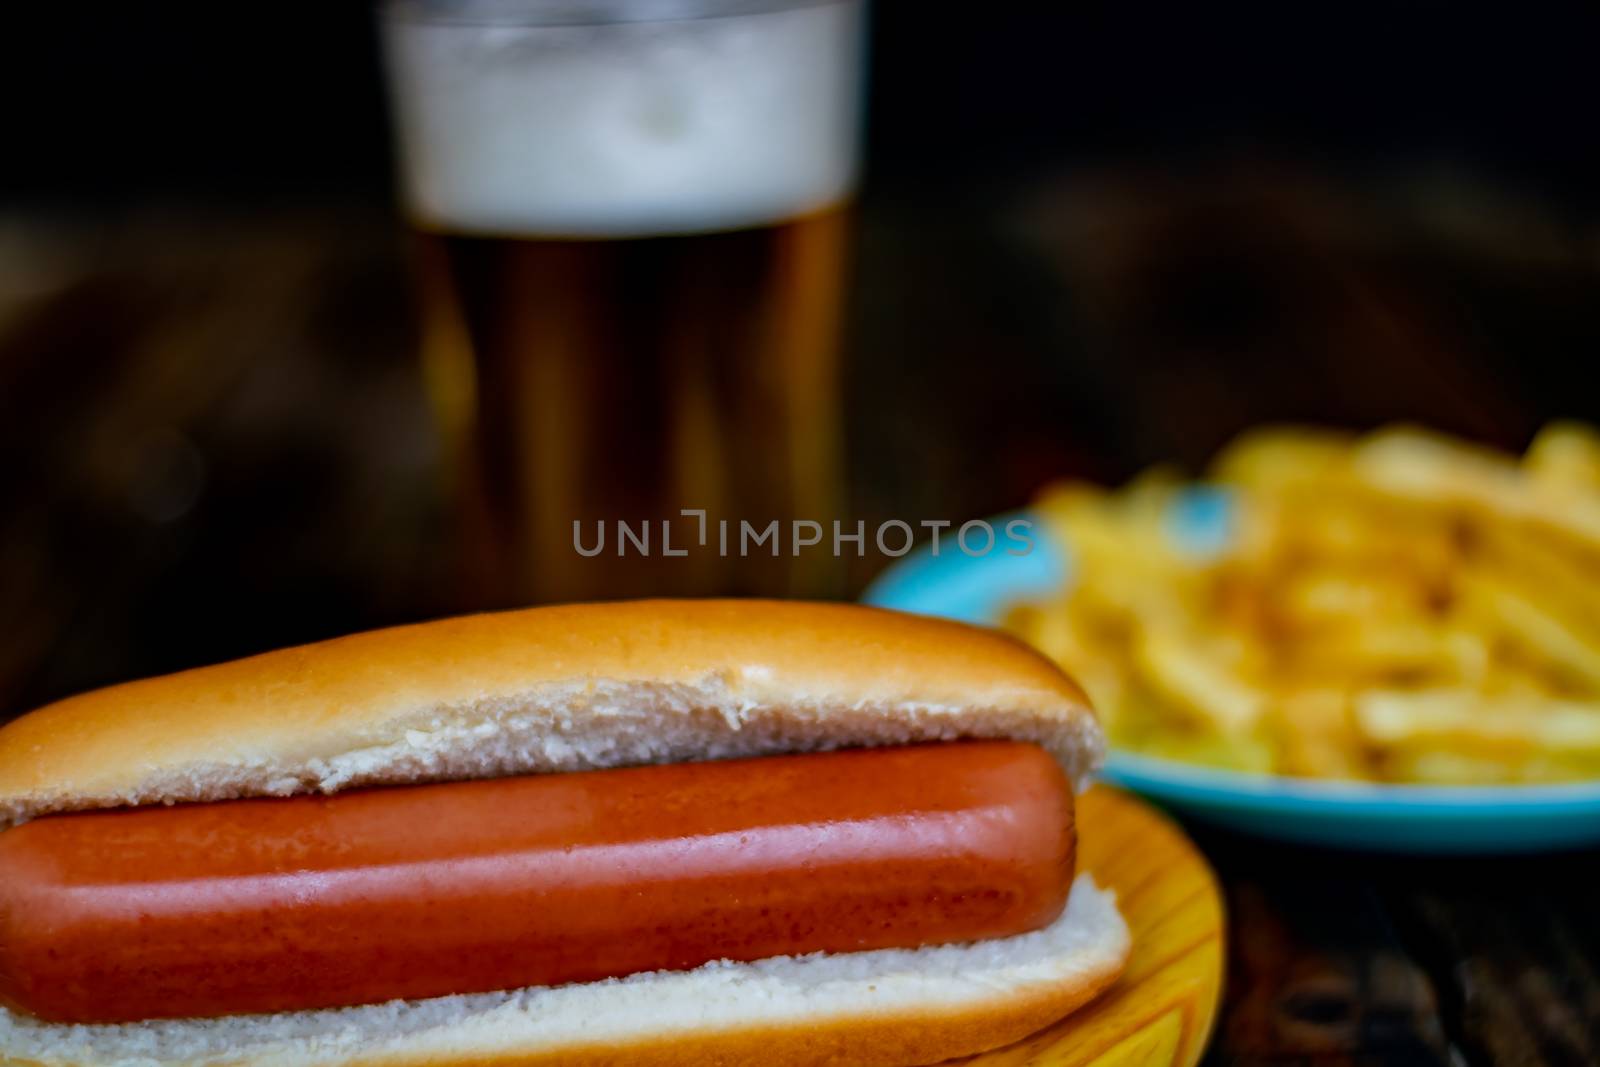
587, 834
423, 891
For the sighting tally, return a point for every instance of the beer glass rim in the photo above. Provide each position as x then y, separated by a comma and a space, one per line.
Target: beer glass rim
585, 12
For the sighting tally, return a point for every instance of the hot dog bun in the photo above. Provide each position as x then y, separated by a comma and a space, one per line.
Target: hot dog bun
563, 688
570, 688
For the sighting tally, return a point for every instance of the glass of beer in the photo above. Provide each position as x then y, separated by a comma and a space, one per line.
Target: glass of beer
631, 221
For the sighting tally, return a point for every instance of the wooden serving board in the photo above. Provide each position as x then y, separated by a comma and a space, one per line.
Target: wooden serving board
1160, 1012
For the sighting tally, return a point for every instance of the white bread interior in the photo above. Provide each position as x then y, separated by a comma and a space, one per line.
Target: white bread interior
573, 688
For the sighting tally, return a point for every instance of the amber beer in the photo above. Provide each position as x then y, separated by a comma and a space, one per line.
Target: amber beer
632, 241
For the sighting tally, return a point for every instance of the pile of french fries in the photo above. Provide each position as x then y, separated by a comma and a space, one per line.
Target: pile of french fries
1398, 607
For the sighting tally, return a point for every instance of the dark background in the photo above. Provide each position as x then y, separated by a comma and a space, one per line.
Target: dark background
117, 103
1092, 237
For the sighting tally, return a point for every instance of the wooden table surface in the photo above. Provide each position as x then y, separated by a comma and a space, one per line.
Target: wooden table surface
215, 441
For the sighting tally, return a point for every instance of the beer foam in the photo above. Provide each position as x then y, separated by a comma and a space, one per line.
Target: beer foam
628, 129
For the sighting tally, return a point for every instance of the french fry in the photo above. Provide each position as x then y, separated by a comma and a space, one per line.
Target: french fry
1273, 457
1193, 681
1316, 737
1464, 722
1329, 597
1565, 455
1545, 571
1535, 628
1402, 606
1234, 754
1387, 653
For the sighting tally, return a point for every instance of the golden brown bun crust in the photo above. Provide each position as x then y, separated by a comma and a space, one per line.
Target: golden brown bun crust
543, 689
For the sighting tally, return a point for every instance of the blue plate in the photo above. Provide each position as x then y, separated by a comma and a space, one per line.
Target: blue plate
1401, 818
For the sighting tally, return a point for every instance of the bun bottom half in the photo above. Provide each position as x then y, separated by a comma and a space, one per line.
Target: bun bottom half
888, 1008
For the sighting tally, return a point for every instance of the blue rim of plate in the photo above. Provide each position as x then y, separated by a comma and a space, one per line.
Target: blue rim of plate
1424, 818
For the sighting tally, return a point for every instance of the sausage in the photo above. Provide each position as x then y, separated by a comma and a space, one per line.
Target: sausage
418, 891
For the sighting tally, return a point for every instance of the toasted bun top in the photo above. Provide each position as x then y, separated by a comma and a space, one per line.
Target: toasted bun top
572, 687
